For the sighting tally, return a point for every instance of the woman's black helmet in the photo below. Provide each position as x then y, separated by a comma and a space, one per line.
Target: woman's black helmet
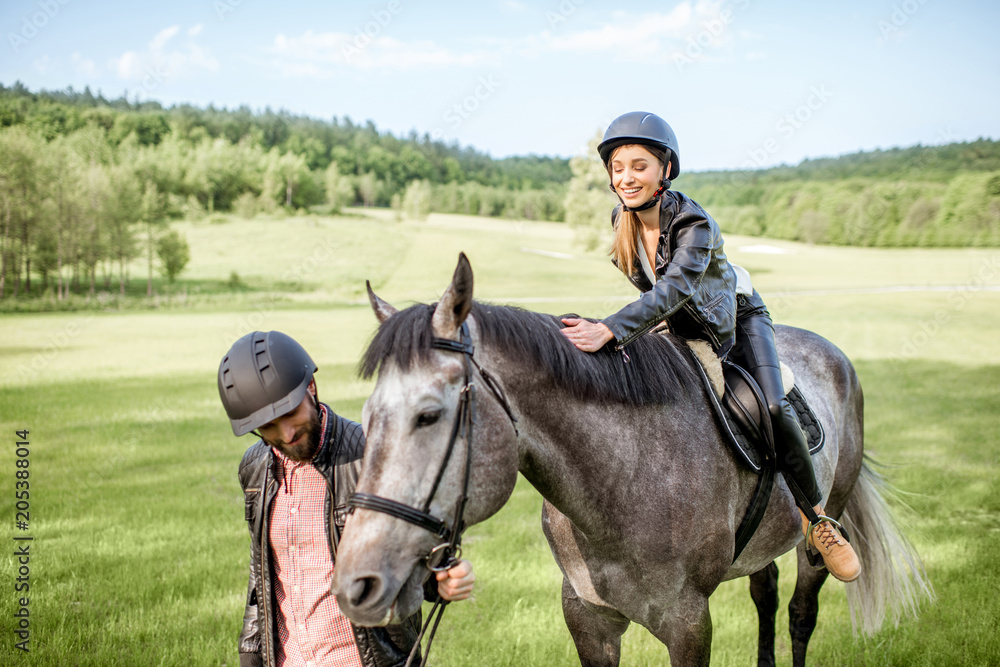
639, 127
262, 377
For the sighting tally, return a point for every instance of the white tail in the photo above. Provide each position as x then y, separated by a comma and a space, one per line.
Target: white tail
893, 581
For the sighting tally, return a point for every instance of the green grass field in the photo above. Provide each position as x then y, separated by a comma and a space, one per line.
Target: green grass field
139, 552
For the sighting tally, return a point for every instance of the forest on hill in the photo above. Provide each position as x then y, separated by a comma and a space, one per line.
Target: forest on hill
89, 184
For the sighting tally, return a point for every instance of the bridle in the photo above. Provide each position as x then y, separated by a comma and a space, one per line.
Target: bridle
445, 555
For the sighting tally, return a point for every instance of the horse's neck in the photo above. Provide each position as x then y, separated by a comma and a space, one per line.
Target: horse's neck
587, 458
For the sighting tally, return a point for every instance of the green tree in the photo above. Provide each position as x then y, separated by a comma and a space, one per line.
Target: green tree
153, 211
174, 253
21, 152
339, 190
368, 187
64, 168
588, 201
417, 200
124, 206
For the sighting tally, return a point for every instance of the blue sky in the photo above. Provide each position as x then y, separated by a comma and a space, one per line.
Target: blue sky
744, 83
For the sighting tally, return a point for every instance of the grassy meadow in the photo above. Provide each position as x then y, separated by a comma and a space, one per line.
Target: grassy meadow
139, 553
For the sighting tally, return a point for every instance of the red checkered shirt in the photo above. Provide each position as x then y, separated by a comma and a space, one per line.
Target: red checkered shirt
312, 630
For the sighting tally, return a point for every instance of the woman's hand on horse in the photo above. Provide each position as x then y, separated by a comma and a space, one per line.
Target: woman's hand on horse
456, 583
586, 335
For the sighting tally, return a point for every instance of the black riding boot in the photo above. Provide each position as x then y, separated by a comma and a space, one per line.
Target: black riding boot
755, 351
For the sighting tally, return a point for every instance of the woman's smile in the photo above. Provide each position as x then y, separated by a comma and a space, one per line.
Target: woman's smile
636, 173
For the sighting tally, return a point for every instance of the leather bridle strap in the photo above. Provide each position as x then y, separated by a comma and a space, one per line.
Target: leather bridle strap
367, 501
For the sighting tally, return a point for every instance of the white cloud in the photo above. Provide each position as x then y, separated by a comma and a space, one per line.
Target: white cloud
82, 65
653, 37
164, 57
162, 37
628, 35
129, 65
321, 54
514, 6
42, 64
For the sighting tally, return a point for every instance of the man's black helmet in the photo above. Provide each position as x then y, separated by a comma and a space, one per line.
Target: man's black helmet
639, 127
262, 377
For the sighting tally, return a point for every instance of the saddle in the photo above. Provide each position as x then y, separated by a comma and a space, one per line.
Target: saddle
745, 424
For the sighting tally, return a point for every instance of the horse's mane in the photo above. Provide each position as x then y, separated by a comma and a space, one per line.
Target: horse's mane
659, 369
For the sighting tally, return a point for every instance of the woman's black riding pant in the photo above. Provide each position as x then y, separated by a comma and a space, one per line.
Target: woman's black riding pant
754, 350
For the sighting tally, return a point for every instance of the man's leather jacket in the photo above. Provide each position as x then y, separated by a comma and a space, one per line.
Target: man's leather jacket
339, 461
695, 289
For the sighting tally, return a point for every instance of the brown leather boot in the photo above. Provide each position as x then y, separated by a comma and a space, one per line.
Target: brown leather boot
838, 554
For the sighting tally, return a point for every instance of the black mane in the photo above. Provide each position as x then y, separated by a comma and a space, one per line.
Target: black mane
659, 369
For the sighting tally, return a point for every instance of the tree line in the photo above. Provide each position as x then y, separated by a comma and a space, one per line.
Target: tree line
88, 184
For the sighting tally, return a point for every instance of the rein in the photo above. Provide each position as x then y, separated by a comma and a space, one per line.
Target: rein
445, 555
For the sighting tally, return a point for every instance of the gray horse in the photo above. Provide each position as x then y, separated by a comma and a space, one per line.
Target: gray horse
642, 496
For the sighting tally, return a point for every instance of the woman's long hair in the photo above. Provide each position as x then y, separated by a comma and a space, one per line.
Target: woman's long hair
624, 247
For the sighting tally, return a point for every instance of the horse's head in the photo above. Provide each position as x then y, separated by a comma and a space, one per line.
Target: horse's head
414, 472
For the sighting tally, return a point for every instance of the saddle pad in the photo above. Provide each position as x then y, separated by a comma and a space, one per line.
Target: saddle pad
811, 426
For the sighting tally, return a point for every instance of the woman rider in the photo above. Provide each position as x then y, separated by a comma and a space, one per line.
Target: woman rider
672, 250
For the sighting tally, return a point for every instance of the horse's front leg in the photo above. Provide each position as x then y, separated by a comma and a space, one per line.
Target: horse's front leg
687, 631
597, 633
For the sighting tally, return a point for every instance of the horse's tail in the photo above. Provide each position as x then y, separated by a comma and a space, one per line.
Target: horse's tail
893, 581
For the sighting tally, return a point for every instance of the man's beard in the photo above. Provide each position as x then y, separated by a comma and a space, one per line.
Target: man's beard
306, 450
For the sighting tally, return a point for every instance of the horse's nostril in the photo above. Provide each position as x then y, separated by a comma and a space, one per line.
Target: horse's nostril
363, 588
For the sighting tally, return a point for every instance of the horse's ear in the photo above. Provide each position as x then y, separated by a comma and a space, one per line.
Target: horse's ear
383, 310
456, 303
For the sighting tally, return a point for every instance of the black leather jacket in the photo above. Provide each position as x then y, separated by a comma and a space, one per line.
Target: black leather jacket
695, 290
339, 461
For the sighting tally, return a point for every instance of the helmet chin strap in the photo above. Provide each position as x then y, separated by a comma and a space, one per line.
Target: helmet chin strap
653, 201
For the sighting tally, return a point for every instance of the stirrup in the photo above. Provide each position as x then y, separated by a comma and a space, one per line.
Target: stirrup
836, 524
814, 557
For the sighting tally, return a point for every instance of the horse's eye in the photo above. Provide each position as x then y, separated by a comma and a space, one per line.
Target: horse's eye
428, 418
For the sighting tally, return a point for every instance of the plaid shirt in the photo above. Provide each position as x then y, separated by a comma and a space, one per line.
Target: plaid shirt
312, 630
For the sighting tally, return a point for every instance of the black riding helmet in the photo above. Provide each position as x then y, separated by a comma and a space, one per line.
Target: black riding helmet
639, 127
262, 377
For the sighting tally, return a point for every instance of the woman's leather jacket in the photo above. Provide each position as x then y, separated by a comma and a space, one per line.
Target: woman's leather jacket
695, 289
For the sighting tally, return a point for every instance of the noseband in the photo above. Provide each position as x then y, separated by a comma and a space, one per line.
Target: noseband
445, 555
